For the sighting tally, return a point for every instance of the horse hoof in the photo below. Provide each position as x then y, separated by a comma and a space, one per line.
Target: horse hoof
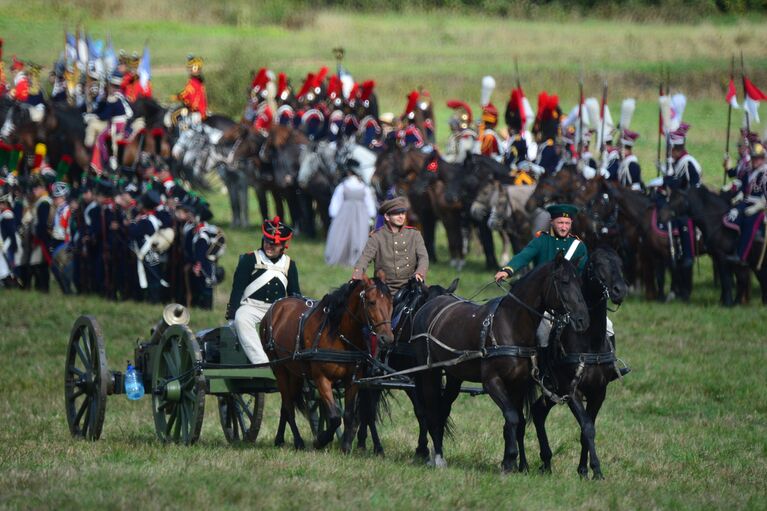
362, 446
524, 468
545, 470
598, 476
421, 455
299, 446
438, 462
583, 472
279, 442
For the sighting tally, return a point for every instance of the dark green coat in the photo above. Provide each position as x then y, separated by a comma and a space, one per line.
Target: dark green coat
544, 248
269, 293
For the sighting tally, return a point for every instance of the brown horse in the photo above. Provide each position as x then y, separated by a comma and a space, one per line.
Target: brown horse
325, 342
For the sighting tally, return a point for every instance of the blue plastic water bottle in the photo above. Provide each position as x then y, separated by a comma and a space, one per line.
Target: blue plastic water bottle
134, 389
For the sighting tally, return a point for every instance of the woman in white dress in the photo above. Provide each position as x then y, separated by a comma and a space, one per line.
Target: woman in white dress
352, 208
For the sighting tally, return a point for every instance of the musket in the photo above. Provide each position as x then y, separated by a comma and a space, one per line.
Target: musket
671, 248
729, 123
516, 69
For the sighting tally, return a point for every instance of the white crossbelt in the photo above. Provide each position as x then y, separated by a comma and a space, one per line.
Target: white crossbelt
571, 251
278, 270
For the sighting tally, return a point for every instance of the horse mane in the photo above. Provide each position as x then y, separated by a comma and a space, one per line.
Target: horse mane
335, 302
70, 120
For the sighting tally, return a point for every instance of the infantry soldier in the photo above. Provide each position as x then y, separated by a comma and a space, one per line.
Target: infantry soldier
261, 278
395, 248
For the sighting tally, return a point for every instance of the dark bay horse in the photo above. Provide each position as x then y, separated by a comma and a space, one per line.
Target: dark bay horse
400, 356
584, 362
707, 210
494, 344
326, 344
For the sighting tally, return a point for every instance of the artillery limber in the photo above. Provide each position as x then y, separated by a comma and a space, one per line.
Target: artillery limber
178, 369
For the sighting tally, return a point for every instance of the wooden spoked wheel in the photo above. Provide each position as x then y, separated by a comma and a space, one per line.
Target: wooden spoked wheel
178, 387
317, 414
86, 379
241, 416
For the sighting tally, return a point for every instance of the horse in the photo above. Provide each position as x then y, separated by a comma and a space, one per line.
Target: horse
638, 210
584, 362
298, 336
707, 211
431, 183
494, 344
64, 132
400, 356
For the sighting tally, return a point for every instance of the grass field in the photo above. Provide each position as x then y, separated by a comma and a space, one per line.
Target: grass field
686, 430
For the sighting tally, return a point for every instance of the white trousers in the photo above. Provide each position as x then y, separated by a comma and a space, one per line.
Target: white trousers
246, 321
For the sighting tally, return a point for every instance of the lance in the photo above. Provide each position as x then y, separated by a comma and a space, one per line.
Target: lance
602, 132
516, 69
729, 123
580, 114
660, 121
745, 97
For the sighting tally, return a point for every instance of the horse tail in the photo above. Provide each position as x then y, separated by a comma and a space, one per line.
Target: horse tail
530, 396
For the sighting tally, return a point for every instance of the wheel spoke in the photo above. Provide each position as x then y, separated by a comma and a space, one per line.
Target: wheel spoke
241, 421
172, 413
74, 370
87, 419
83, 357
79, 392
176, 355
81, 410
186, 424
244, 406
170, 364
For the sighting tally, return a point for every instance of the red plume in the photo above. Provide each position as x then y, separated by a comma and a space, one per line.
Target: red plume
323, 72
455, 103
261, 79
307, 86
367, 90
282, 84
335, 89
412, 99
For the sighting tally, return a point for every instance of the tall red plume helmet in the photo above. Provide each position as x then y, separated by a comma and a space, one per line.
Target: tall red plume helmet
307, 86
455, 104
260, 80
276, 231
515, 102
282, 86
320, 77
547, 106
412, 100
335, 88
353, 93
366, 89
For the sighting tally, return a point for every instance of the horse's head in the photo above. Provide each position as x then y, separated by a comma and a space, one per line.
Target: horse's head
376, 301
428, 174
285, 148
562, 293
606, 268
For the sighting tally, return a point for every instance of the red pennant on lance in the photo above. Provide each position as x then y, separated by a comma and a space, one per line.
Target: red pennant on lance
752, 91
732, 97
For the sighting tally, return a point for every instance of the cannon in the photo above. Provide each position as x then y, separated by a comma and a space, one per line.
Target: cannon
178, 369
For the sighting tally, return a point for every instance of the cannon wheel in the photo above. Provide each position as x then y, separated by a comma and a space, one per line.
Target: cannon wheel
178, 387
241, 416
316, 413
86, 378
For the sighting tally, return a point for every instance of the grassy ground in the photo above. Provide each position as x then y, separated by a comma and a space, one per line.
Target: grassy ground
685, 430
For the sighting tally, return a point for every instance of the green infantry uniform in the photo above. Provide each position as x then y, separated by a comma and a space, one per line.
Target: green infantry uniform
399, 254
545, 246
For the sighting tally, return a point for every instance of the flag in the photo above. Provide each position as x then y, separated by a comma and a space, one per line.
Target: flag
753, 97
82, 50
70, 48
110, 58
144, 69
732, 97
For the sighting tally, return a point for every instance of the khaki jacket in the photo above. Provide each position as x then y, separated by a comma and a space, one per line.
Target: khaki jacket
400, 255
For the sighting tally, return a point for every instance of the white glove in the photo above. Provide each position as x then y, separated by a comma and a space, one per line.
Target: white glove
757, 205
738, 197
589, 172
734, 185
732, 215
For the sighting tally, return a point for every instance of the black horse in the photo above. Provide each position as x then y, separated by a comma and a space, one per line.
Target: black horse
707, 210
400, 356
494, 344
583, 363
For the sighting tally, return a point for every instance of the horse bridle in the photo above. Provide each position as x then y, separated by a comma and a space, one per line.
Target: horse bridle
370, 325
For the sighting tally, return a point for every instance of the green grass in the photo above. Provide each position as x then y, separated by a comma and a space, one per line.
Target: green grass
685, 430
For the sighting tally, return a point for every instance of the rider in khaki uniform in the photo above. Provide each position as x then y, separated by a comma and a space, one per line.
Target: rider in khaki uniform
395, 248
